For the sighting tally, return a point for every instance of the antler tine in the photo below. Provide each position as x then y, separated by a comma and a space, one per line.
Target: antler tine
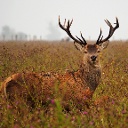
83, 38
117, 23
70, 22
61, 26
80, 40
64, 22
66, 28
111, 31
108, 23
111, 27
99, 37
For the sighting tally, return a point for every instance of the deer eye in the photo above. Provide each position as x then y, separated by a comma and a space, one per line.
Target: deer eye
85, 51
98, 51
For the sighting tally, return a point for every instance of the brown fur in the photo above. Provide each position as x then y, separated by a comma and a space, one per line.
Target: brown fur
76, 87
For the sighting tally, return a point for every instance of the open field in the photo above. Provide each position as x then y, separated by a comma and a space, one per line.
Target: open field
60, 56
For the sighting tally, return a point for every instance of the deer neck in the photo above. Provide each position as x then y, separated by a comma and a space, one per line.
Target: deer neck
90, 74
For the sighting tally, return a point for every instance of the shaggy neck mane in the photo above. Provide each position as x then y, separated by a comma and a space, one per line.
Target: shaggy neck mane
90, 75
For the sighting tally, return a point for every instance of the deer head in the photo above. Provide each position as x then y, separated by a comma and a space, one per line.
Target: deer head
90, 51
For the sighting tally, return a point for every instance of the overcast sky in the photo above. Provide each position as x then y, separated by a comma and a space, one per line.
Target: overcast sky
40, 17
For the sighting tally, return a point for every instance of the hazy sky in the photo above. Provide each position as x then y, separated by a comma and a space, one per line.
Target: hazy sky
40, 17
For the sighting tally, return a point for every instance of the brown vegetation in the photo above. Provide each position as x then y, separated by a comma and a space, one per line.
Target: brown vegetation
54, 58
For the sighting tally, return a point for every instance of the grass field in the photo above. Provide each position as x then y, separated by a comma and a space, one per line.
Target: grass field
59, 56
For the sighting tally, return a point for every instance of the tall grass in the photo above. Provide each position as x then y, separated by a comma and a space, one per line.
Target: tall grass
59, 56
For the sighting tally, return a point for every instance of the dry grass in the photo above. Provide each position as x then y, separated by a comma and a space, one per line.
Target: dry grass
54, 56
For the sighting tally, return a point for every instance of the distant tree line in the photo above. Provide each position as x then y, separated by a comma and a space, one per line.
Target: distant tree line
9, 34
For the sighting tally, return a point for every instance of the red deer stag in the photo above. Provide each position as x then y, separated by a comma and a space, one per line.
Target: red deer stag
75, 87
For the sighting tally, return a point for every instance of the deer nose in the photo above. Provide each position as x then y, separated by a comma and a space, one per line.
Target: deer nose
93, 58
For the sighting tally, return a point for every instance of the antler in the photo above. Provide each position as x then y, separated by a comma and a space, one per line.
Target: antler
112, 29
66, 28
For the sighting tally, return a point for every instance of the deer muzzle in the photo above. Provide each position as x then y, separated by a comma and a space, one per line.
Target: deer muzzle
93, 58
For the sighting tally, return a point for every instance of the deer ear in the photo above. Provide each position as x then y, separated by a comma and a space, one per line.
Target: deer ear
78, 46
104, 44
